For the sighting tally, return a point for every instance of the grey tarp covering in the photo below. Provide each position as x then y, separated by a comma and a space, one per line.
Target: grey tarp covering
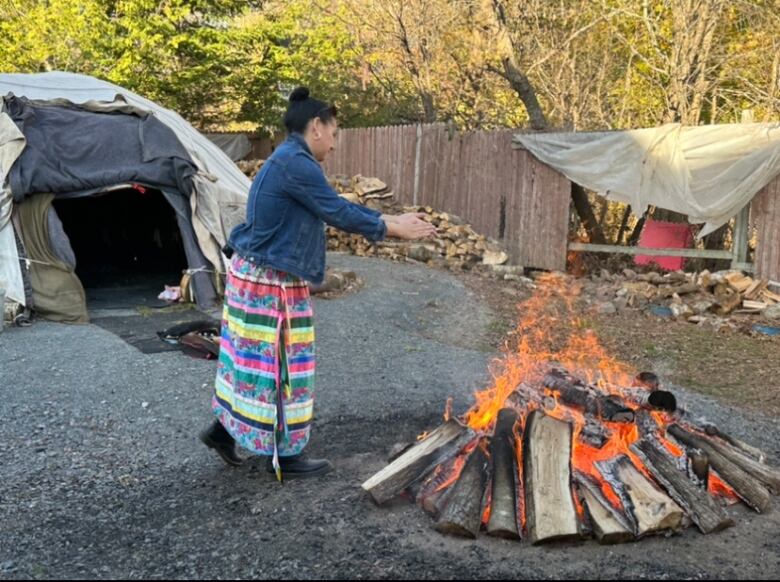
59, 240
202, 278
10, 267
119, 144
11, 146
236, 145
70, 149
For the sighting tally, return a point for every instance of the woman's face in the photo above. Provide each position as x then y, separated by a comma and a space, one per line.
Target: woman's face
322, 138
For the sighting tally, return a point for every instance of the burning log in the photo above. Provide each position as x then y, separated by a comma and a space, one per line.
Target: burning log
433, 492
594, 434
648, 427
576, 395
463, 513
442, 444
605, 527
705, 513
749, 478
651, 509
648, 380
651, 399
750, 451
610, 526
433, 503
503, 508
550, 512
699, 468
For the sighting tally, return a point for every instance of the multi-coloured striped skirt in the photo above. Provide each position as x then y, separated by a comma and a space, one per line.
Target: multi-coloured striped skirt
264, 393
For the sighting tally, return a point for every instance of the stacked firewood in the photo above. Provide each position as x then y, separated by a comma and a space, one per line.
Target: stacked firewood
458, 247
250, 167
337, 282
695, 297
556, 464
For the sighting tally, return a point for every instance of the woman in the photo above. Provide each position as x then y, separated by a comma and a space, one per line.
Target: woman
264, 398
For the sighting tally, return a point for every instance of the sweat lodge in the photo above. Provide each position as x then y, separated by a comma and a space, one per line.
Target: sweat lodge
100, 184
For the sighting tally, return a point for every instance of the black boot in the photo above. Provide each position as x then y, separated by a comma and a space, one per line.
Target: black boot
299, 466
217, 438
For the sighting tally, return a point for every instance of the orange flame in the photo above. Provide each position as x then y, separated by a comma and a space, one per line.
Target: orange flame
488, 503
719, 488
549, 332
448, 409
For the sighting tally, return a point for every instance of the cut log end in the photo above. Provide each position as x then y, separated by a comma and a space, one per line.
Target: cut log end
462, 515
442, 444
550, 512
607, 529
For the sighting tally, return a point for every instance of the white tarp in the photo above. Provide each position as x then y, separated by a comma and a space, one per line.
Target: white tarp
12, 143
10, 267
708, 172
218, 184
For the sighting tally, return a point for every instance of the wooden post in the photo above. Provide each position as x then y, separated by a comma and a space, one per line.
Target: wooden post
741, 234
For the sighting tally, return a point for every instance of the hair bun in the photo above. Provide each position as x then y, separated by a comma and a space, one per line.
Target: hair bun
299, 94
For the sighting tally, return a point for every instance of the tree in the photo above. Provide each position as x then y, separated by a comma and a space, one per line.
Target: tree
176, 52
568, 64
55, 35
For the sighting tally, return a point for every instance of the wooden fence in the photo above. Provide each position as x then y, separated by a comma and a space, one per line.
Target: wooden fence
504, 193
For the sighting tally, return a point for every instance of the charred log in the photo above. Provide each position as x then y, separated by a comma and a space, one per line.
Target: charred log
503, 509
702, 509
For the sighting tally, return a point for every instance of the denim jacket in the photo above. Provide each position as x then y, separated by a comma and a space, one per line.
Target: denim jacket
289, 203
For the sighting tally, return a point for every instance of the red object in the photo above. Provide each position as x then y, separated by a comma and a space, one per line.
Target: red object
665, 235
140, 188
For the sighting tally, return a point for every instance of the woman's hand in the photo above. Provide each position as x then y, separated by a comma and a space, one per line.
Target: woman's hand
408, 218
409, 226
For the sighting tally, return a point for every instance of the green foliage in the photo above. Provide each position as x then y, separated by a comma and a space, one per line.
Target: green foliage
229, 64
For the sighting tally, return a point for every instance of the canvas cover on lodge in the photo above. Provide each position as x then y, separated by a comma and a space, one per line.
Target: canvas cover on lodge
75, 136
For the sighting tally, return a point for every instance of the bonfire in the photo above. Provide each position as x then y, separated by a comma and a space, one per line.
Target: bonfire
567, 443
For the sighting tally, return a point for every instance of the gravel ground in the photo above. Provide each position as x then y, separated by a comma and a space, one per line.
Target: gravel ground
103, 475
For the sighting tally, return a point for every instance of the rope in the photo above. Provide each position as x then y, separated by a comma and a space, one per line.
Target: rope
27, 261
204, 270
